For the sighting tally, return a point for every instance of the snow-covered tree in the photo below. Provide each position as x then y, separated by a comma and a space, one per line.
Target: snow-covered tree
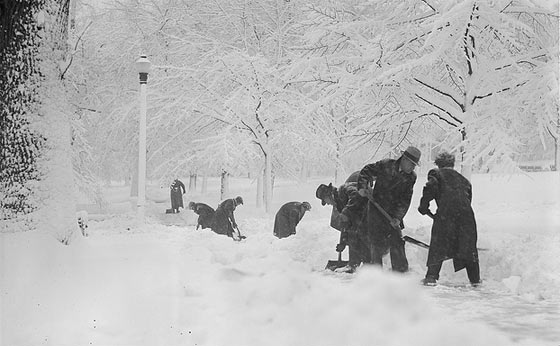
403, 65
473, 65
37, 117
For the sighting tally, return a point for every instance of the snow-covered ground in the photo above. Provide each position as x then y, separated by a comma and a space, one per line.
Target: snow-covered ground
165, 283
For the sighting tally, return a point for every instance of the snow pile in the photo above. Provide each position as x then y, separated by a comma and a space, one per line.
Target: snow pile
176, 286
289, 307
528, 266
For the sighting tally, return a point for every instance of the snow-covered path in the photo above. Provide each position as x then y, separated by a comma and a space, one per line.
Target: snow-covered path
519, 317
167, 284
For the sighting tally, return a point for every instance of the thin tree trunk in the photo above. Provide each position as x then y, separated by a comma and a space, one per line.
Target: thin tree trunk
260, 189
192, 182
267, 182
224, 185
204, 184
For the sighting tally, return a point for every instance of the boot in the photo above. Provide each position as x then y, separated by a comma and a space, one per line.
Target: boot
429, 281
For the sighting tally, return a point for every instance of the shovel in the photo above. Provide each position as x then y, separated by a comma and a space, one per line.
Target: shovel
339, 263
389, 218
238, 235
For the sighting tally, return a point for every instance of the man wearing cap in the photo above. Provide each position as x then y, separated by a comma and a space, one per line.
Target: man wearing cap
454, 233
394, 182
352, 230
287, 218
205, 214
224, 221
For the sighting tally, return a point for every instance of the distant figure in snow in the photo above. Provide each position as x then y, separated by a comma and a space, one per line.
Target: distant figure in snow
287, 218
224, 221
454, 232
82, 216
177, 191
205, 214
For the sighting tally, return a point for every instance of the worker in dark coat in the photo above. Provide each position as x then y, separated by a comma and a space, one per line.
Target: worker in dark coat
394, 182
454, 232
205, 214
177, 191
224, 220
287, 218
353, 235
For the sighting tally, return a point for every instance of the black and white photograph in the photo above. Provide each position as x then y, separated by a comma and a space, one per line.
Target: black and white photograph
279, 172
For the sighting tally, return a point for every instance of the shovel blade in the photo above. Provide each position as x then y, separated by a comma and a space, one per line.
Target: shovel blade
335, 264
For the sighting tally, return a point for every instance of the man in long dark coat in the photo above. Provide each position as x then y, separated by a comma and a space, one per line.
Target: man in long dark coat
177, 191
287, 218
224, 220
454, 232
205, 214
394, 182
352, 234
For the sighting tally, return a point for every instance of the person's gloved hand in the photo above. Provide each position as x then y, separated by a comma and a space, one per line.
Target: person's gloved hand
423, 209
340, 247
396, 223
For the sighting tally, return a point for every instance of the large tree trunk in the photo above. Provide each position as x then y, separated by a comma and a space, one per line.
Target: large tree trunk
20, 145
37, 188
58, 213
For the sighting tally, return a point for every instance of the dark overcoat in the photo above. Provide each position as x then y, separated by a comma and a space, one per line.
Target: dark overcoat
224, 221
177, 191
205, 214
341, 196
287, 218
454, 232
392, 191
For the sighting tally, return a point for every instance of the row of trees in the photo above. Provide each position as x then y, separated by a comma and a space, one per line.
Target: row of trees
277, 87
274, 85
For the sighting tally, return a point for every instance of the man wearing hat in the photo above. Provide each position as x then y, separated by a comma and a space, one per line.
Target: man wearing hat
394, 181
288, 217
224, 220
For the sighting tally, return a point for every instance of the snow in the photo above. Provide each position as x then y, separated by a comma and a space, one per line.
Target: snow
164, 283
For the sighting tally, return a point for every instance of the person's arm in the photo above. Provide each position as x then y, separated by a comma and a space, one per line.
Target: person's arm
356, 200
182, 186
369, 173
430, 191
469, 193
230, 209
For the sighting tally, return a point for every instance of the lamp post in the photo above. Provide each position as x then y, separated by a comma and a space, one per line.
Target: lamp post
143, 66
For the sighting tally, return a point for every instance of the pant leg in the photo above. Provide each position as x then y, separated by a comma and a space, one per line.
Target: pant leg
473, 272
399, 262
354, 257
433, 270
376, 254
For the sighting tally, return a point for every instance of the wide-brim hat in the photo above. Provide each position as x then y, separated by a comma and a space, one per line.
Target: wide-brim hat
413, 154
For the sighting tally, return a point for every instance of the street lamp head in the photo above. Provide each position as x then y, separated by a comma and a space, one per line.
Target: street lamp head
143, 66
